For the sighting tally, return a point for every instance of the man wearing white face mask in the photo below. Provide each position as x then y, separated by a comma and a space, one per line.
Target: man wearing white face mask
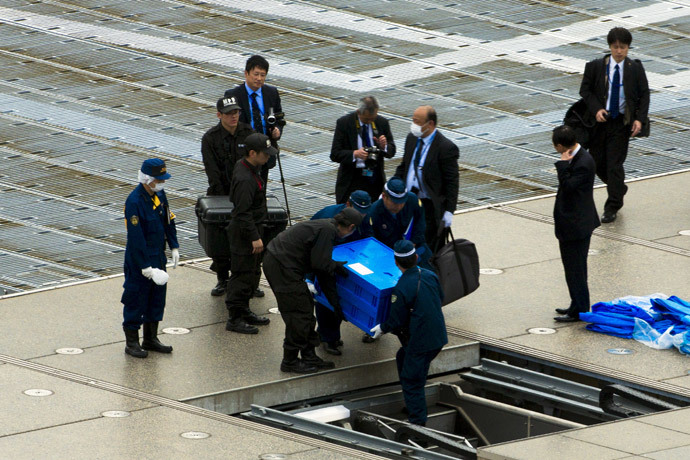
150, 223
430, 170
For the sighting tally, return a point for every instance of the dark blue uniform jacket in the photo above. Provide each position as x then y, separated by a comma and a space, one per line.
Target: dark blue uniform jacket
419, 313
361, 232
147, 231
408, 224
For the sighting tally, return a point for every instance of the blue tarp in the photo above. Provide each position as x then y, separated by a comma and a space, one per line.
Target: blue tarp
656, 320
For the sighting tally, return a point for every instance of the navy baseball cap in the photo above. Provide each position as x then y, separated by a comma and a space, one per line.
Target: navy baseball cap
395, 188
403, 248
227, 104
259, 143
361, 201
155, 167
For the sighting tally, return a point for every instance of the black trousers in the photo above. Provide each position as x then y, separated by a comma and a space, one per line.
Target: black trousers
574, 258
609, 148
328, 324
296, 306
222, 268
373, 185
431, 234
246, 272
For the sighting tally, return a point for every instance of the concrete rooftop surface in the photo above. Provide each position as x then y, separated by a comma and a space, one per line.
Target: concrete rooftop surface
90, 88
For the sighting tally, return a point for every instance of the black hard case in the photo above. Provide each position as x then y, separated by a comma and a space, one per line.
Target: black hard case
213, 216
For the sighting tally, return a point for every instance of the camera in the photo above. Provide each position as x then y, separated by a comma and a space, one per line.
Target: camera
275, 119
373, 153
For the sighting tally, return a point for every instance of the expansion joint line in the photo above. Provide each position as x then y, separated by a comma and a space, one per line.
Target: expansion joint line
173, 404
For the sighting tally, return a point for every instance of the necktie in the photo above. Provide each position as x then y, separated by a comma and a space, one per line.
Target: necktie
615, 93
365, 136
418, 154
257, 123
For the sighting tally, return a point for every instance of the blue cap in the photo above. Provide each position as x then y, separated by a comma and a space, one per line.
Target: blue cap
360, 200
395, 189
403, 248
155, 167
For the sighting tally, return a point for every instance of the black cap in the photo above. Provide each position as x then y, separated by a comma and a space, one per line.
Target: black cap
259, 143
227, 104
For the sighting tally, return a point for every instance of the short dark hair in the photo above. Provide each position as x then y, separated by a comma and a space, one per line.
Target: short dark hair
407, 262
256, 61
564, 135
342, 220
619, 34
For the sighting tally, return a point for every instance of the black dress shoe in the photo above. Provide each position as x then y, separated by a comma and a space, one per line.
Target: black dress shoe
608, 217
259, 293
366, 338
241, 327
332, 348
219, 289
562, 311
566, 319
252, 318
298, 366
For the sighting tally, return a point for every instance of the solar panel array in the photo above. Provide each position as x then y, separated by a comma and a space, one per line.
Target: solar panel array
89, 89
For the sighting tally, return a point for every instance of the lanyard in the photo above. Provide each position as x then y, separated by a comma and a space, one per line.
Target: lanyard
258, 181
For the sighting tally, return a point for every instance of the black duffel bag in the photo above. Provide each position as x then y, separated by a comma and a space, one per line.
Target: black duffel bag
582, 122
457, 267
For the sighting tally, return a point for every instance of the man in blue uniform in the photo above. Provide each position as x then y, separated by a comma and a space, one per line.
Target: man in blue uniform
416, 318
328, 322
399, 215
149, 224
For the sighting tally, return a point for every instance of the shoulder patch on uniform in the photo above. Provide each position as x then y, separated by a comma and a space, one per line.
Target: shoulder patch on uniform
394, 298
419, 201
134, 220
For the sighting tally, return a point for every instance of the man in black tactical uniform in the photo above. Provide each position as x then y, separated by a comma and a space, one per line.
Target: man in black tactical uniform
220, 150
245, 232
305, 248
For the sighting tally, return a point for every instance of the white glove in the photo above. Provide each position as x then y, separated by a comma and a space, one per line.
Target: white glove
159, 276
447, 219
311, 288
147, 272
176, 257
376, 330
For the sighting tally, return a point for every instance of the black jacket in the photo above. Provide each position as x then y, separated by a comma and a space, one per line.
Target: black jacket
345, 142
220, 151
270, 97
594, 88
248, 195
306, 247
574, 213
440, 171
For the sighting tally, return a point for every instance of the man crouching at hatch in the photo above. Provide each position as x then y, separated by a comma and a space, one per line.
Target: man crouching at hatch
305, 248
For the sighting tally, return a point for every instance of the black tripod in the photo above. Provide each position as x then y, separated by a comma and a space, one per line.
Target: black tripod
282, 181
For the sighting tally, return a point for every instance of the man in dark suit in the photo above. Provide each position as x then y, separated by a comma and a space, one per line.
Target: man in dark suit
430, 171
358, 169
575, 218
257, 102
616, 92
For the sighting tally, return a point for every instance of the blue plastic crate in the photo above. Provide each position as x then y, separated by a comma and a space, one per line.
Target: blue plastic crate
365, 295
